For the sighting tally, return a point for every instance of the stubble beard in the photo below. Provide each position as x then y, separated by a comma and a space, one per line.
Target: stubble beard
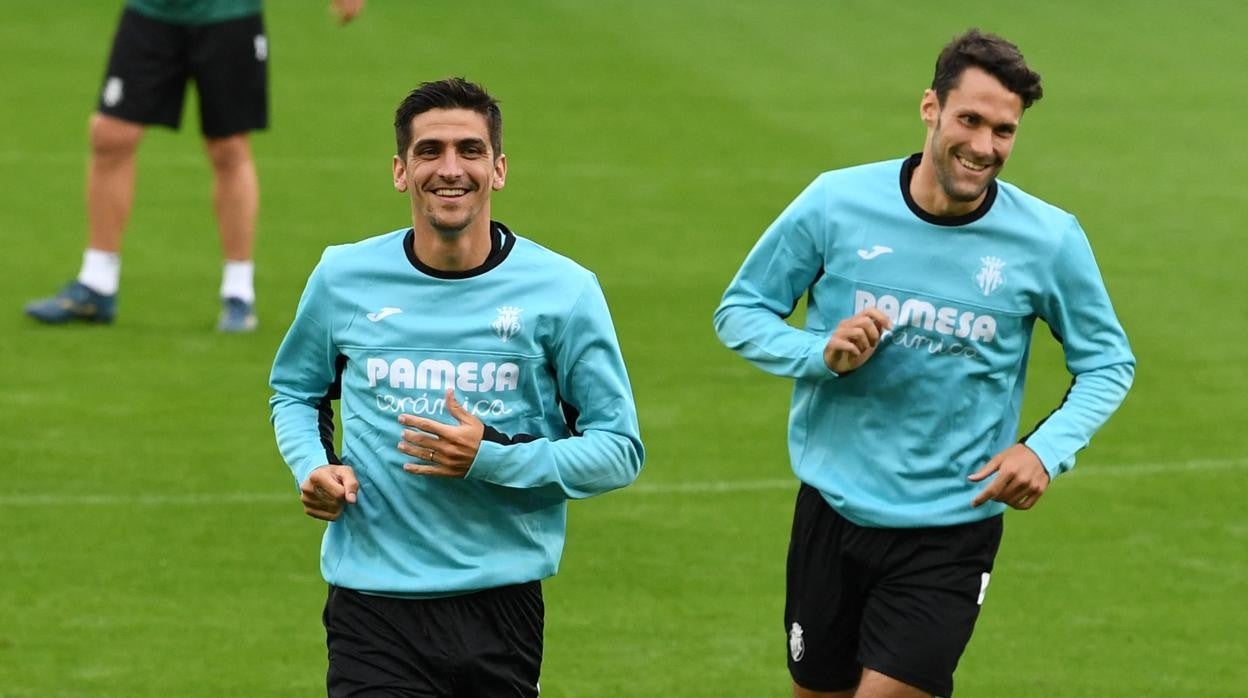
945, 163
452, 226
448, 230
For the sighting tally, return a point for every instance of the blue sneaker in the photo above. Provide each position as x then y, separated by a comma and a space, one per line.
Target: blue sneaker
74, 302
237, 315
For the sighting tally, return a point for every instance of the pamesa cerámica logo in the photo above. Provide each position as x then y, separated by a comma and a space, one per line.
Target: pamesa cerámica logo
436, 375
440, 374
958, 331
917, 312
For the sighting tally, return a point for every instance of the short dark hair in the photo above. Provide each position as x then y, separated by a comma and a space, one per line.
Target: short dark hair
451, 93
995, 56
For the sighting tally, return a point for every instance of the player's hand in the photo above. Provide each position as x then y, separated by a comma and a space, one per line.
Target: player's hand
1021, 478
855, 340
346, 10
449, 449
325, 490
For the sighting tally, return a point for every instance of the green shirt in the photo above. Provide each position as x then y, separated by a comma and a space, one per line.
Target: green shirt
195, 11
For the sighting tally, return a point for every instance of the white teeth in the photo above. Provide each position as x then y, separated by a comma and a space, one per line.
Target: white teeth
970, 165
450, 192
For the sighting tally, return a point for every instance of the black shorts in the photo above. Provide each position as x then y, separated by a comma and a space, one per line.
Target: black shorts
152, 61
487, 643
902, 602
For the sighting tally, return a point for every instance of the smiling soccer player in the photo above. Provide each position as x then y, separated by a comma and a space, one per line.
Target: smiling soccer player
924, 277
481, 386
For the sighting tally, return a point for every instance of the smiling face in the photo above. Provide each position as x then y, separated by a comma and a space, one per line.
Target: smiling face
449, 171
969, 138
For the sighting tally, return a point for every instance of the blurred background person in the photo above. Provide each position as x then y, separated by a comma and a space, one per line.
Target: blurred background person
160, 46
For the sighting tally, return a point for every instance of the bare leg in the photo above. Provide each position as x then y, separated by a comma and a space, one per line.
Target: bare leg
236, 194
92, 295
110, 180
236, 198
799, 692
877, 685
873, 684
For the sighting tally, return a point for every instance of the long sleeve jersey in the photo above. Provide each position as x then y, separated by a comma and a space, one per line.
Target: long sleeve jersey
528, 345
891, 444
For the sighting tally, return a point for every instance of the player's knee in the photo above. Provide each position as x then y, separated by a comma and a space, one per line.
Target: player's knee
228, 153
112, 137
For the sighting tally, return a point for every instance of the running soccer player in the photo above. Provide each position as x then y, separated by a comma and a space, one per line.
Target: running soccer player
481, 387
160, 46
924, 278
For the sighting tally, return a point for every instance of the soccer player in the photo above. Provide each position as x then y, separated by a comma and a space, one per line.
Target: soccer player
481, 386
159, 46
924, 278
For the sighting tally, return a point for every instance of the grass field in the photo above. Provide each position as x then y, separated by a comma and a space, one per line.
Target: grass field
150, 540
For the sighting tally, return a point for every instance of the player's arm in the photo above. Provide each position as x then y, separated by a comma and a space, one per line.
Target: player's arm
304, 382
1097, 354
784, 263
604, 451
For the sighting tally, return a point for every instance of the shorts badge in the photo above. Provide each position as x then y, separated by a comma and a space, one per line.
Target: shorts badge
797, 646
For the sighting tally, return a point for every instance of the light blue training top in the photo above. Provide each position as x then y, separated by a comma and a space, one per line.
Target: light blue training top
527, 343
891, 444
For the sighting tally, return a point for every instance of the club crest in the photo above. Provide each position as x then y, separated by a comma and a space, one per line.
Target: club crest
990, 277
507, 324
797, 646
114, 90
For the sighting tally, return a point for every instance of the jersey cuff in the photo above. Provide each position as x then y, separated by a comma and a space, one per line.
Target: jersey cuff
303, 471
1053, 463
481, 468
815, 366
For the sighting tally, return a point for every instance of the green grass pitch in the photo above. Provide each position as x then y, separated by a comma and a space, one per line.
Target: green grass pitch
151, 542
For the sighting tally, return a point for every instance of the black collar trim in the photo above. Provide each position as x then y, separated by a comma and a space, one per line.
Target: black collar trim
907, 173
501, 242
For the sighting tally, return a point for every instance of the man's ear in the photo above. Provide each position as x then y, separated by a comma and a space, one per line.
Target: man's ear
500, 172
929, 108
400, 174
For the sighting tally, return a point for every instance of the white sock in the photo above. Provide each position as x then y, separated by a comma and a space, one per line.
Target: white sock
101, 271
237, 281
